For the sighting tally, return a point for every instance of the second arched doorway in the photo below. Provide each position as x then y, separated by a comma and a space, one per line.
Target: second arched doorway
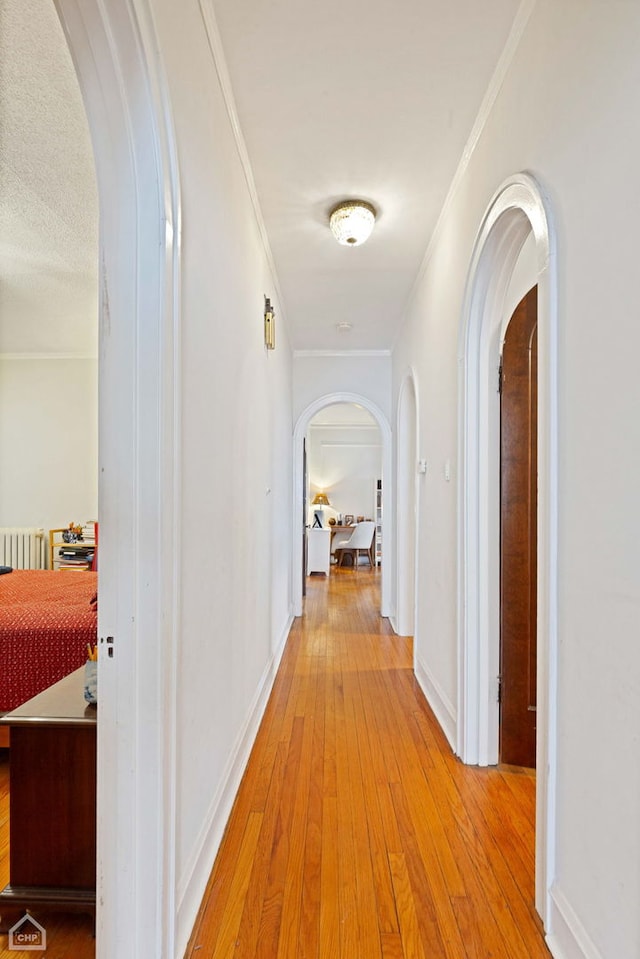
299, 435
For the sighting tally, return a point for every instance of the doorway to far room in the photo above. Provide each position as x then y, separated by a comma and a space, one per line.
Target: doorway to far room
49, 481
343, 491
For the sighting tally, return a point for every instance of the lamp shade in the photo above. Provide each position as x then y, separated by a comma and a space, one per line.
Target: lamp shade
320, 499
351, 222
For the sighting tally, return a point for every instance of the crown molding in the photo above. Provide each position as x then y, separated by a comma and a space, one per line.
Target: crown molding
349, 353
220, 63
48, 356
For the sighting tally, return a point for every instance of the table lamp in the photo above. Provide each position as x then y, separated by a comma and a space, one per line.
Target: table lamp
319, 500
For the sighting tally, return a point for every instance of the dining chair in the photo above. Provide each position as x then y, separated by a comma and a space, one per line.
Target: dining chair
360, 541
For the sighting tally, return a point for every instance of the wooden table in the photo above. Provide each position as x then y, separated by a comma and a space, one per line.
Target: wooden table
52, 802
340, 529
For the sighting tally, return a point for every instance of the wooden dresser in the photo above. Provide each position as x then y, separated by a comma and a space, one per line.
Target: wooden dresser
52, 805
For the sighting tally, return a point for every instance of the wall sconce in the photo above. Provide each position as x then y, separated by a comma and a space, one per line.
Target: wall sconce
269, 325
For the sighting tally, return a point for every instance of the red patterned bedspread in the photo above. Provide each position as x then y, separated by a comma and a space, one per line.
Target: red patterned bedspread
46, 621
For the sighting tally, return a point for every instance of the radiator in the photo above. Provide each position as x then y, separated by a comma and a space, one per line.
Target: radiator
22, 548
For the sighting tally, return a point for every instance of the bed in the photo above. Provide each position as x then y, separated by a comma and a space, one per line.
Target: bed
46, 620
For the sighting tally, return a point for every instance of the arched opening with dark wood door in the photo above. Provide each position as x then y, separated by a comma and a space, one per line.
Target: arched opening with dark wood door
518, 534
517, 212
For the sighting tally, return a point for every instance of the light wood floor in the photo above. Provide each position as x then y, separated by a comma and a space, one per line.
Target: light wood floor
356, 833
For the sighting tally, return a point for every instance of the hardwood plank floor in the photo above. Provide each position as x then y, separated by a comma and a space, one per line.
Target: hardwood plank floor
356, 832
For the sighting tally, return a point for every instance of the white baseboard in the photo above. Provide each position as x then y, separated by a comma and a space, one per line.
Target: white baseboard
393, 622
439, 702
192, 885
567, 937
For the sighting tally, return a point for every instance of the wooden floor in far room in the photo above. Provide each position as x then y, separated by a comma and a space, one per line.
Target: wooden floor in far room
356, 831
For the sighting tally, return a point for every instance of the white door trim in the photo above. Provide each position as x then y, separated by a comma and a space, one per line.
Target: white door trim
120, 74
299, 434
517, 209
407, 522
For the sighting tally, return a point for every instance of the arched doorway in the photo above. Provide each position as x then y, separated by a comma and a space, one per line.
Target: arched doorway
120, 76
344, 465
517, 211
407, 507
299, 434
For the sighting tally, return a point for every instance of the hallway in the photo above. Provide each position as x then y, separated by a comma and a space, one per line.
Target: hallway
356, 832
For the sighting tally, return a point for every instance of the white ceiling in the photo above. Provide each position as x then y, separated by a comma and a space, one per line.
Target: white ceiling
354, 98
48, 202
345, 99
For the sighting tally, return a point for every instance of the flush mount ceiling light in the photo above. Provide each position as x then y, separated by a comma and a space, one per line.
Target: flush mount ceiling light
343, 326
351, 222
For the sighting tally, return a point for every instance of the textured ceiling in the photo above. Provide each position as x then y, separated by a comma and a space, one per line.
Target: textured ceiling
347, 98
48, 202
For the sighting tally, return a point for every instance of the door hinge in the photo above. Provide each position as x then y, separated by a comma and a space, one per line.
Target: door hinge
499, 688
500, 377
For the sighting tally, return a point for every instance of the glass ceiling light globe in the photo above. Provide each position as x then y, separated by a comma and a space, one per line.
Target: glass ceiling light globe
351, 222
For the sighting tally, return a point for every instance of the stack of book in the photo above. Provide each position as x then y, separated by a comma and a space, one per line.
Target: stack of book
79, 555
75, 556
89, 531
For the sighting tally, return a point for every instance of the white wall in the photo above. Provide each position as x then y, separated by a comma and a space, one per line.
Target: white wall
236, 461
345, 462
321, 375
48, 441
566, 112
522, 280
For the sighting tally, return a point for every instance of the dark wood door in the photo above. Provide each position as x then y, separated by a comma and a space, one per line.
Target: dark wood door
518, 535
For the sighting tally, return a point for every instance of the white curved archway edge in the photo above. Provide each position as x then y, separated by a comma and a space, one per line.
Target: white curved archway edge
299, 434
114, 51
518, 209
407, 502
